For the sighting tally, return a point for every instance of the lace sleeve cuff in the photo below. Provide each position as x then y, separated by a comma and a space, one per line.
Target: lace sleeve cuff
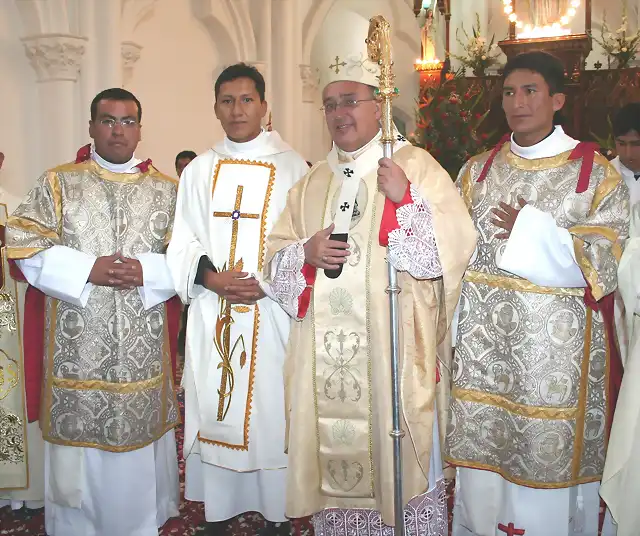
412, 247
289, 280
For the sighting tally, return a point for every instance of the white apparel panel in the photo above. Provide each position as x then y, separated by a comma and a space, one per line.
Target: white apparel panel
267, 421
228, 493
125, 494
542, 252
195, 234
484, 499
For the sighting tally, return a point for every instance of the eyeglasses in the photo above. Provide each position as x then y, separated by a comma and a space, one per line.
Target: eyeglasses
127, 122
350, 104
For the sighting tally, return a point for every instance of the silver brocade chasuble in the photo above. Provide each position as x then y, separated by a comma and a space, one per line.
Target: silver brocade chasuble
531, 366
241, 193
107, 372
13, 416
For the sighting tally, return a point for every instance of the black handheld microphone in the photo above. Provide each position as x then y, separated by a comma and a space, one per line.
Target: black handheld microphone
340, 237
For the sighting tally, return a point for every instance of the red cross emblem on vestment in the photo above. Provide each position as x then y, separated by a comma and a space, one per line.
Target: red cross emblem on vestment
510, 529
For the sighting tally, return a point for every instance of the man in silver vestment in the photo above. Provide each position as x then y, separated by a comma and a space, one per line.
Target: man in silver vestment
91, 235
536, 367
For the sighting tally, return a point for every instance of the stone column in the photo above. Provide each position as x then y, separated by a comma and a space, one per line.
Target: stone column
108, 37
312, 120
286, 81
57, 60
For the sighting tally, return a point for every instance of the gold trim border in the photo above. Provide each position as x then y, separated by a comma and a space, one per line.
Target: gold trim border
518, 285
256, 318
530, 412
110, 387
521, 481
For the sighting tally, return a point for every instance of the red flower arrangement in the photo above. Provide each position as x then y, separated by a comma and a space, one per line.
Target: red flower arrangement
448, 119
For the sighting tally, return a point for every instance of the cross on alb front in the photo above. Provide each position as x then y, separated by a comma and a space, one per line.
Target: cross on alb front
226, 378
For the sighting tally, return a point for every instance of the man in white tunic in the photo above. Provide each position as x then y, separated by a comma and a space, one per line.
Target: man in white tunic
536, 369
91, 235
229, 199
621, 479
21, 445
337, 373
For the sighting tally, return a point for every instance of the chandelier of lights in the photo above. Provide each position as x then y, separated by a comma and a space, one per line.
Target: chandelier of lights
556, 28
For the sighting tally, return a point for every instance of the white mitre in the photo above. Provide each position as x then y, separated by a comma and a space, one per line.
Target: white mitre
341, 53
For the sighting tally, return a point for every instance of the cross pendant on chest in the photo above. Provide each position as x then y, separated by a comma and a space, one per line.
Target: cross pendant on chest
510, 530
226, 378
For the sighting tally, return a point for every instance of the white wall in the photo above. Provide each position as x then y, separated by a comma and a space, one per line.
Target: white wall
173, 79
18, 111
168, 53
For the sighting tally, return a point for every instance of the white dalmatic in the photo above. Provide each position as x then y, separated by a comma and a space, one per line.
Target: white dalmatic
229, 198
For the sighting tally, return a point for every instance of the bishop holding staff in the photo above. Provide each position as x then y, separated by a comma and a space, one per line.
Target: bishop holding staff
337, 372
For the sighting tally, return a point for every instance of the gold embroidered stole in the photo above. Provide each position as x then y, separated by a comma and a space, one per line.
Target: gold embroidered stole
342, 353
13, 419
241, 193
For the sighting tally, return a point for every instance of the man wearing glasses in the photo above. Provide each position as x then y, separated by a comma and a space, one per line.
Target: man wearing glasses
91, 236
326, 266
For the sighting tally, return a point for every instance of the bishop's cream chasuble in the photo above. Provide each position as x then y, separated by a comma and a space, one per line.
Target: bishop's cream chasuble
229, 199
108, 382
531, 374
13, 418
337, 374
621, 478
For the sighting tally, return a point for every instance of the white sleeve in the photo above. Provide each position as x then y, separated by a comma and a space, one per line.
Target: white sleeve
185, 250
157, 282
288, 282
412, 246
541, 252
60, 272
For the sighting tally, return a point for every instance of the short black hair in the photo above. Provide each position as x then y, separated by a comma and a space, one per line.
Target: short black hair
114, 94
627, 119
185, 154
546, 65
241, 70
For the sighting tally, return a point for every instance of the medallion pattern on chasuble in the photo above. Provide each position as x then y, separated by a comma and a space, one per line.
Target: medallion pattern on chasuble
342, 354
530, 370
108, 378
13, 422
240, 198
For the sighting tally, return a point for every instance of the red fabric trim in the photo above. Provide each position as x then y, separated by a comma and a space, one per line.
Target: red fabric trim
83, 154
492, 156
33, 347
587, 151
15, 272
144, 166
173, 308
389, 218
437, 373
606, 308
304, 300
32, 343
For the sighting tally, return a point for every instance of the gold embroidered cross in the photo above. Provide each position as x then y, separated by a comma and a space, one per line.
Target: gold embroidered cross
337, 65
222, 338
